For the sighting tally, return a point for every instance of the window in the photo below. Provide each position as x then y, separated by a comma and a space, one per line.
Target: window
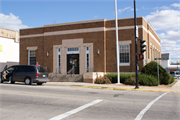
87, 59
59, 61
41, 69
74, 50
28, 69
124, 54
32, 57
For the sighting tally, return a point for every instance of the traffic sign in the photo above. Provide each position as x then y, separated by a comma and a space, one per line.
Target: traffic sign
157, 58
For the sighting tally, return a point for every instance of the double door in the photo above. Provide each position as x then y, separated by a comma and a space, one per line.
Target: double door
73, 62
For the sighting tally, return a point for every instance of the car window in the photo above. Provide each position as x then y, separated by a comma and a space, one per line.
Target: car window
41, 69
171, 72
19, 69
177, 73
10, 68
29, 69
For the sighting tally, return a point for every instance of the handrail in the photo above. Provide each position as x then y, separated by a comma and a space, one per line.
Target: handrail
71, 71
58, 70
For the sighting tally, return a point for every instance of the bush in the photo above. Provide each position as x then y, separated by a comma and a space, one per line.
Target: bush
112, 77
103, 80
130, 81
172, 79
123, 77
147, 80
151, 69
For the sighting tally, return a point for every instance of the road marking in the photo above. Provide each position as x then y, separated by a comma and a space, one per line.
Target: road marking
59, 117
140, 115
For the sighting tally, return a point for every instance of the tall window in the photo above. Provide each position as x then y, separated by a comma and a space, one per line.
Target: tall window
124, 53
32, 57
59, 60
87, 59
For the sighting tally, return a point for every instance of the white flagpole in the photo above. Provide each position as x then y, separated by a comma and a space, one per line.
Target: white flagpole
117, 46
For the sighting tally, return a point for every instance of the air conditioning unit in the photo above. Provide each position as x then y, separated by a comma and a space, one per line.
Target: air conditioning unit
146, 61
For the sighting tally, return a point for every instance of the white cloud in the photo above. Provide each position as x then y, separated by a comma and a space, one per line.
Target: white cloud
122, 10
95, 16
176, 5
164, 20
125, 9
163, 8
169, 43
167, 21
11, 22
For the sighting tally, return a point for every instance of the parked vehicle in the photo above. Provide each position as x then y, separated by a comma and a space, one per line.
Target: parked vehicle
176, 74
25, 73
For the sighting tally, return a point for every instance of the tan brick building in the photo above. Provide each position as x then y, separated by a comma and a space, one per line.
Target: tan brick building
88, 45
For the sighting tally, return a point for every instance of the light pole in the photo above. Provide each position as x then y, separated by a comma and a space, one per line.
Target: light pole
136, 36
117, 46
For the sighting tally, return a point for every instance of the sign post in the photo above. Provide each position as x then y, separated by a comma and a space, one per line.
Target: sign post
157, 68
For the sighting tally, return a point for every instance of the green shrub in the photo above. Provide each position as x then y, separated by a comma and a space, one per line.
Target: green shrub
103, 80
147, 80
151, 69
172, 79
123, 77
112, 77
130, 81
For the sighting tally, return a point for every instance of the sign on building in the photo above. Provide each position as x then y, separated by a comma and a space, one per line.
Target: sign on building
165, 56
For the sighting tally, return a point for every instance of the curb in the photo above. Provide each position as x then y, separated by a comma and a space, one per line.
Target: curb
111, 88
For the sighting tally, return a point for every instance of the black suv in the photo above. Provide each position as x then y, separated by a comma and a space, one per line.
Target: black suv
25, 73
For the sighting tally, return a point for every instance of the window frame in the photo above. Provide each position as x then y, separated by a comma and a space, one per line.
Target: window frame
124, 64
30, 56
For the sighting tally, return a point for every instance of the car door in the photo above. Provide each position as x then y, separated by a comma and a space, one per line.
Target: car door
18, 74
9, 71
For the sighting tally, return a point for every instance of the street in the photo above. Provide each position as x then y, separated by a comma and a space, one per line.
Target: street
23, 102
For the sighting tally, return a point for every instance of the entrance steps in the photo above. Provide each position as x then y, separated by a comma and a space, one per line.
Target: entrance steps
66, 78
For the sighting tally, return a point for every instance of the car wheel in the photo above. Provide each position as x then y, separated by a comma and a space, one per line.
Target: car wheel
39, 83
1, 79
27, 81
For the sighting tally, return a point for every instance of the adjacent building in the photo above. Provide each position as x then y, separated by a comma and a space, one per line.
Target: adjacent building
89, 46
166, 63
9, 48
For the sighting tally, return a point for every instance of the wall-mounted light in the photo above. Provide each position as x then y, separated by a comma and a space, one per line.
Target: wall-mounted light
47, 53
98, 52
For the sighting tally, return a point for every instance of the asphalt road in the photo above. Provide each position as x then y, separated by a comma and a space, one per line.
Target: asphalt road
23, 102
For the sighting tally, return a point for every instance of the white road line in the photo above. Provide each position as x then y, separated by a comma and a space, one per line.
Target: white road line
140, 115
59, 117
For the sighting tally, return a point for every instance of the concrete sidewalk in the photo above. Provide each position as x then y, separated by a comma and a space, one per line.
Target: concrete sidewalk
174, 88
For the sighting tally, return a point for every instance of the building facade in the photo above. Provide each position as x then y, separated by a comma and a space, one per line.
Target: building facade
166, 63
9, 48
89, 46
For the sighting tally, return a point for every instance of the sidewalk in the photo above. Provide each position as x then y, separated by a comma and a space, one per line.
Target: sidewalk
174, 88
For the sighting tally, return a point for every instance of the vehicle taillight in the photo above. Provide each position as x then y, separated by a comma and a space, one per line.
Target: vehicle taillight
37, 75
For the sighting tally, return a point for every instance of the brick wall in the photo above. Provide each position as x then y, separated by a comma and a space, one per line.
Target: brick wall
105, 41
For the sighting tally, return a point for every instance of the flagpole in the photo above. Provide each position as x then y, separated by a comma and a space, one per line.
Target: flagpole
117, 46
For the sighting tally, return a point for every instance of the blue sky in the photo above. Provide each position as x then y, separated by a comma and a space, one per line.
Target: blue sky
163, 15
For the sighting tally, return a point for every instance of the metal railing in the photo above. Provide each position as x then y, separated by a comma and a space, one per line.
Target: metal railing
71, 71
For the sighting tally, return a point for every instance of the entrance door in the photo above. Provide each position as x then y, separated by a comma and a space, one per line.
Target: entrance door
73, 60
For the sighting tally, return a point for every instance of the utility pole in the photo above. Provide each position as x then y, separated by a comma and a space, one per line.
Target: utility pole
136, 54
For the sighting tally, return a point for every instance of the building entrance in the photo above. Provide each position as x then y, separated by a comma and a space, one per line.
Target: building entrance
73, 61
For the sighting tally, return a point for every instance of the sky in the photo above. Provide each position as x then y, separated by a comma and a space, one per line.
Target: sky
163, 15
